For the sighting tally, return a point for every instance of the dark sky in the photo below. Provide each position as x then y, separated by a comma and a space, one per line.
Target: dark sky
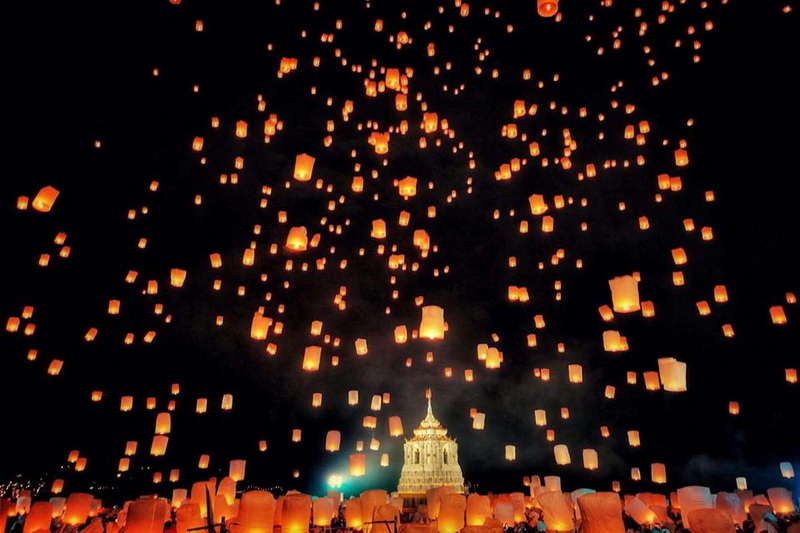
89, 77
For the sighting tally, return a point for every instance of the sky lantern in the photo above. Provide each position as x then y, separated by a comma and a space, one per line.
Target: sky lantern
358, 464
681, 157
395, 426
538, 204
163, 424
227, 402
333, 440
311, 358
407, 187
658, 473
361, 347
547, 8
600, 512
303, 167
159, 445
378, 229
777, 314
45, 199
575, 373
297, 435
613, 341
561, 453
297, 240
400, 334
672, 374
430, 122
241, 129
787, 470
259, 326
432, 325
624, 294
236, 469
590, 461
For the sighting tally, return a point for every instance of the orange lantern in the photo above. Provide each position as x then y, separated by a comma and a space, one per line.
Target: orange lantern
303, 167
44, 199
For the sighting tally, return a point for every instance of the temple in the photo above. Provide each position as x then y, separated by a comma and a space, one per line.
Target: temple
431, 459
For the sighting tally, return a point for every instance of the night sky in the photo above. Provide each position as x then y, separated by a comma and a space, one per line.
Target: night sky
107, 99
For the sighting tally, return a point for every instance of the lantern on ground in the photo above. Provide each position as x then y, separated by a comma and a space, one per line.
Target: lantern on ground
296, 513
256, 512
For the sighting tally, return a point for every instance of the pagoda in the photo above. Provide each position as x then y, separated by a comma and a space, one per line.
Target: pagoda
430, 459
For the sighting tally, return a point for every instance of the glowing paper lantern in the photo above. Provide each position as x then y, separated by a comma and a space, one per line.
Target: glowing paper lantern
557, 514
38, 517
44, 199
407, 186
613, 341
681, 157
640, 512
187, 514
358, 464
146, 515
159, 445
227, 402
177, 277
256, 512
561, 452
452, 513
478, 509
395, 426
711, 521
575, 373
777, 314
352, 514
361, 347
730, 504
625, 294
236, 469
600, 512
547, 8
303, 167
322, 512
658, 473
77, 508
673, 376
590, 460
781, 500
296, 513
691, 498
163, 423
311, 358
511, 452
787, 470
333, 440
432, 324
297, 240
